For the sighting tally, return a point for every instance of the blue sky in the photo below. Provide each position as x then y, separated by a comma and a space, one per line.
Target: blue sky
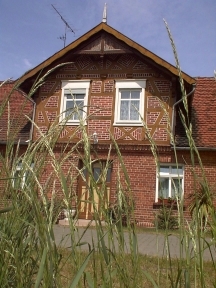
30, 30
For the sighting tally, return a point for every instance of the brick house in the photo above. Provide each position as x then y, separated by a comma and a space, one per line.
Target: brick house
109, 75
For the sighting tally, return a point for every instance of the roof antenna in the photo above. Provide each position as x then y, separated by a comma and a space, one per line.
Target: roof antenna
105, 14
63, 37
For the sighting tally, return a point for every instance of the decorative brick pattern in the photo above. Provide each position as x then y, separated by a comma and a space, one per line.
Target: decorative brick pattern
79, 134
116, 67
164, 120
101, 105
93, 76
43, 130
126, 60
58, 87
165, 99
149, 87
101, 127
140, 65
160, 134
93, 67
66, 76
137, 134
64, 133
153, 102
96, 87
40, 117
51, 115
109, 86
122, 75
163, 86
52, 102
108, 64
43, 97
84, 62
47, 86
128, 129
152, 117
118, 133
142, 75
69, 68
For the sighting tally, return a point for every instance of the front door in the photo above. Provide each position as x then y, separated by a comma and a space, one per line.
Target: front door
94, 190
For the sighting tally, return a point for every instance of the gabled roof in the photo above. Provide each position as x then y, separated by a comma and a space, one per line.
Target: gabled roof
106, 28
203, 115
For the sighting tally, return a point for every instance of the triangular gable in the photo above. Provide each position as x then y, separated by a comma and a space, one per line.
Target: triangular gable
108, 43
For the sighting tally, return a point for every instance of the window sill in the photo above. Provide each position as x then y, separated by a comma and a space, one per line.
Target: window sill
70, 123
127, 124
173, 205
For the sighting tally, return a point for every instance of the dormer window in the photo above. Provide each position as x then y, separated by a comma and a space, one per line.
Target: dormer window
74, 101
129, 106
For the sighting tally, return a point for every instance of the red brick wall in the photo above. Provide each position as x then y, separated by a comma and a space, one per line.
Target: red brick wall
101, 101
16, 106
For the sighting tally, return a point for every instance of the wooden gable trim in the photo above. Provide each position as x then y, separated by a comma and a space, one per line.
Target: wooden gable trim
118, 35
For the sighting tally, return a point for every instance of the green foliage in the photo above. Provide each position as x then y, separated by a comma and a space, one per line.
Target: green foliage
165, 219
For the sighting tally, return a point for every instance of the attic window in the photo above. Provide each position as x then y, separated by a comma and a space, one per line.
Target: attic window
74, 101
129, 107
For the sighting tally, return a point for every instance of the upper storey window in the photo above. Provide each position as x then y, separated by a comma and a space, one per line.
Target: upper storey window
74, 101
129, 106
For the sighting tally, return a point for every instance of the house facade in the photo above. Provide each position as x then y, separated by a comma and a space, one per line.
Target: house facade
122, 93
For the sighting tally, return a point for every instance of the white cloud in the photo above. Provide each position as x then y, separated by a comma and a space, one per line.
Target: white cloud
27, 63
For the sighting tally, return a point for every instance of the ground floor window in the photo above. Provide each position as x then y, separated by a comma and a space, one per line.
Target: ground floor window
170, 181
20, 176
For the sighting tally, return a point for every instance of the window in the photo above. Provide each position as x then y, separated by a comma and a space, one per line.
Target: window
98, 170
170, 181
74, 101
129, 102
20, 176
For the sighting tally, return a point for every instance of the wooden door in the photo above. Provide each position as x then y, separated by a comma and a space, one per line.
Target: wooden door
94, 196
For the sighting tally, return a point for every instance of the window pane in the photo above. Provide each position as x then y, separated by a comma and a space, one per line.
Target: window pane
69, 109
176, 187
79, 96
163, 188
108, 177
164, 169
96, 173
79, 103
124, 110
135, 94
69, 105
178, 171
125, 94
134, 114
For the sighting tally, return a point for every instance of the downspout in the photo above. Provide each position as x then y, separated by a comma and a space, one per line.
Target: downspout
175, 104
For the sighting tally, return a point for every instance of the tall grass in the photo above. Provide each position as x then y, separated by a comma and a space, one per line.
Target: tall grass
29, 256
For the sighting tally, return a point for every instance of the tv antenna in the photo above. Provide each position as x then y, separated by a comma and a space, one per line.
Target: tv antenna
67, 26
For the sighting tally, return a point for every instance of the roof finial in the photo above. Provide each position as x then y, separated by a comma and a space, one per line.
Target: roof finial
105, 14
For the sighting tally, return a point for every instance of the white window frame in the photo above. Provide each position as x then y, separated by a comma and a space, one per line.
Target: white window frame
19, 167
76, 85
130, 84
170, 176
